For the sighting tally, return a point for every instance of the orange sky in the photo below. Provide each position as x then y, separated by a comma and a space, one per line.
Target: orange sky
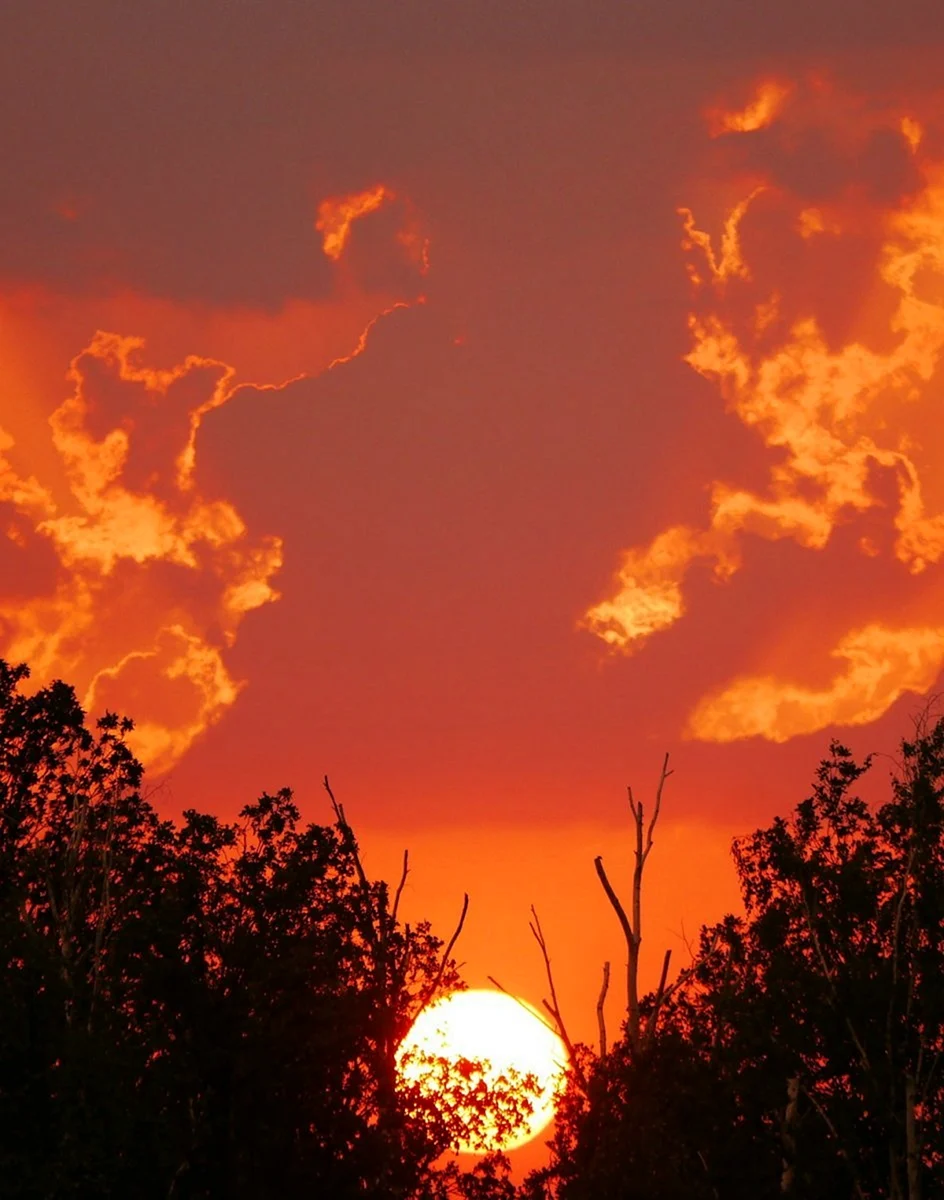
474, 413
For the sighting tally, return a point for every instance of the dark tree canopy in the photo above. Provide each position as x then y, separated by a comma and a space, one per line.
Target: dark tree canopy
198, 1009
201, 1009
802, 1054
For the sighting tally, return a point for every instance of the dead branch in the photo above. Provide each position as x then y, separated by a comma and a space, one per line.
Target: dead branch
373, 927
663, 776
517, 999
613, 899
632, 927
601, 1019
552, 1007
434, 988
348, 833
399, 891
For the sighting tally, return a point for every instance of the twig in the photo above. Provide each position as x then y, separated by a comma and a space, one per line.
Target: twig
373, 931
664, 775
399, 891
349, 834
553, 1007
431, 991
521, 1004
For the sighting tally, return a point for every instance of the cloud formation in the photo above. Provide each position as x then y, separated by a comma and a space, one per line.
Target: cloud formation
838, 388
122, 570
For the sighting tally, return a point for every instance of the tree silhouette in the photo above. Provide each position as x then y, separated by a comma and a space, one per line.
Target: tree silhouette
802, 1054
199, 1009
205, 1009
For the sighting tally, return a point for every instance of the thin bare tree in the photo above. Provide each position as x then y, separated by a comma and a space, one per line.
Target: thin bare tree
631, 924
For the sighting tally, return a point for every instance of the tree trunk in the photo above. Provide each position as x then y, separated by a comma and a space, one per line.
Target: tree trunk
912, 1150
788, 1137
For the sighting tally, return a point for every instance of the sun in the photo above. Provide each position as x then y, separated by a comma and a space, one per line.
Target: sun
491, 1046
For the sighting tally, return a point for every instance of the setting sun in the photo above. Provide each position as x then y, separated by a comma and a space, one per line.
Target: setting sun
419, 425
508, 1046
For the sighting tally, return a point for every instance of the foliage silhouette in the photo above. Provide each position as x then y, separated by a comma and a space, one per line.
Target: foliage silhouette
802, 1054
199, 1009
202, 1009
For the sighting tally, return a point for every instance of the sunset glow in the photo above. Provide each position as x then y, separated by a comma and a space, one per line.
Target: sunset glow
835, 417
472, 406
154, 575
506, 1040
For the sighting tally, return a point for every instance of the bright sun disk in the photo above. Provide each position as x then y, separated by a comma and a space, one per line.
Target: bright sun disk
507, 1036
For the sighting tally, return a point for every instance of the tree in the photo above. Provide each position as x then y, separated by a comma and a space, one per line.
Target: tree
802, 1053
843, 949
639, 1083
200, 1009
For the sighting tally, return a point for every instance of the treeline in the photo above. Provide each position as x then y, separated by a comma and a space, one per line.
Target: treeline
203, 1009
801, 1053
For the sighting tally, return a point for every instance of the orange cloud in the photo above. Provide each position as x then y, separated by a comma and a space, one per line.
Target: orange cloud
880, 666
115, 523
650, 596
130, 578
337, 213
767, 104
834, 417
912, 132
728, 261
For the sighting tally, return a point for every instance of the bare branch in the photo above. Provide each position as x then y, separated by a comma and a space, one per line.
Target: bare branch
348, 833
601, 1019
613, 898
431, 991
632, 948
664, 775
553, 1008
632, 926
399, 891
517, 999
373, 931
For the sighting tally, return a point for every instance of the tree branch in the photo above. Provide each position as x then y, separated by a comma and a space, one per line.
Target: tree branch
399, 891
663, 776
553, 1008
517, 999
601, 1018
431, 991
613, 898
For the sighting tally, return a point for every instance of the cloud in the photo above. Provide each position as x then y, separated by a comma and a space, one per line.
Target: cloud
128, 573
337, 213
760, 111
881, 665
834, 416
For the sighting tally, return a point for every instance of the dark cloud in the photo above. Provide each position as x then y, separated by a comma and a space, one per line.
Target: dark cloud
28, 564
180, 148
819, 164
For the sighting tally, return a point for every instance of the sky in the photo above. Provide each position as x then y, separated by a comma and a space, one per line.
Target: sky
473, 403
